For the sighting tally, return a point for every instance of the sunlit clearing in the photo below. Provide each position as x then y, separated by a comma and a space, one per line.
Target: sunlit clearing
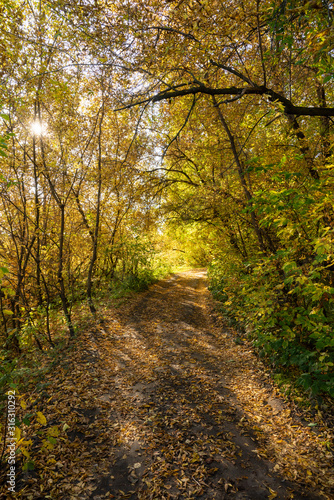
38, 128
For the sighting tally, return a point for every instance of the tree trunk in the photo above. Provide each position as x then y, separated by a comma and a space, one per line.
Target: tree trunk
324, 124
37, 214
97, 220
60, 276
242, 179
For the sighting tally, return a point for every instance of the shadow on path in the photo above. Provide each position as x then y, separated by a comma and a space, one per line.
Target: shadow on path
188, 436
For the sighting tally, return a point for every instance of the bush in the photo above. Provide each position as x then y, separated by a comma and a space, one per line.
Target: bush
286, 300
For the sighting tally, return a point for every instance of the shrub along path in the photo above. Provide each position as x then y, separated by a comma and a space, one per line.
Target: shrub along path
159, 402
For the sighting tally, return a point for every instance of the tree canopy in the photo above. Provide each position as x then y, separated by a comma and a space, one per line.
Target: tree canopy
126, 125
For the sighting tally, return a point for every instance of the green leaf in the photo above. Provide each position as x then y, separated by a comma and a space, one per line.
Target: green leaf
327, 78
29, 465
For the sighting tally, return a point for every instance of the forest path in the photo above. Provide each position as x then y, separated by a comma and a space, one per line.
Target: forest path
162, 403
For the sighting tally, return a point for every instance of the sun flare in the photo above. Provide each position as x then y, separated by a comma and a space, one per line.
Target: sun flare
38, 128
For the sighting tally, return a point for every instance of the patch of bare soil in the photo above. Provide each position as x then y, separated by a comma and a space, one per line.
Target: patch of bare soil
161, 403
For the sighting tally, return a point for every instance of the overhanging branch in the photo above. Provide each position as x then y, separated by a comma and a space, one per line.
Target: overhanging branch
289, 107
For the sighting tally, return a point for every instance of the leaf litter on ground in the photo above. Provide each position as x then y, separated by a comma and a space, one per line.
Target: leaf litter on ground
158, 401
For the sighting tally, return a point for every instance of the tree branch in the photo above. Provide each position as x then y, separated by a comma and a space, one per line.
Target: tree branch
289, 108
171, 30
233, 71
180, 130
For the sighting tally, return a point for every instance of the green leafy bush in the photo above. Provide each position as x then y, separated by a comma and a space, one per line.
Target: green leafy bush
138, 265
285, 300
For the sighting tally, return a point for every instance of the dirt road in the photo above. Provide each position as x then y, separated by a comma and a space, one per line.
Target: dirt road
162, 403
